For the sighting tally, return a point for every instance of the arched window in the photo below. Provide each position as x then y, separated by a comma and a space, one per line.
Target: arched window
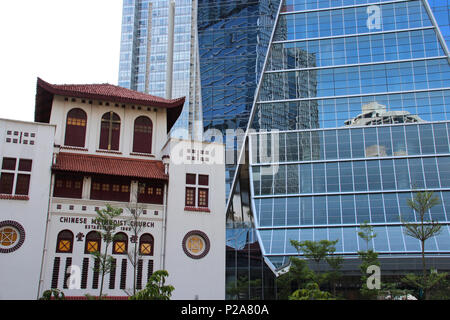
120, 243
93, 242
142, 141
75, 128
146, 245
64, 243
110, 131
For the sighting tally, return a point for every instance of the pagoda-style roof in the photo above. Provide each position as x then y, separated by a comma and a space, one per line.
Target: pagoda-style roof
109, 165
105, 92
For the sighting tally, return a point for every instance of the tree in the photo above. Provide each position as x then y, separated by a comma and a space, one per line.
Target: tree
136, 230
369, 258
424, 229
107, 226
311, 292
156, 289
53, 294
335, 263
366, 233
315, 250
298, 277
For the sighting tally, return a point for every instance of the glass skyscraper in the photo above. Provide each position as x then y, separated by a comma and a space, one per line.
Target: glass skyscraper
144, 53
346, 109
351, 117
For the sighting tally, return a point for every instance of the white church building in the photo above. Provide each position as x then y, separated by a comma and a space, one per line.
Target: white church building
99, 144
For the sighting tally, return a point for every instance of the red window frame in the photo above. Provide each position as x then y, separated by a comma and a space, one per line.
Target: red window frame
102, 188
203, 199
76, 123
21, 176
68, 186
190, 197
142, 138
151, 191
110, 131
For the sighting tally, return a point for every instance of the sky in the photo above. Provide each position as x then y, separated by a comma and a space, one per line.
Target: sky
60, 41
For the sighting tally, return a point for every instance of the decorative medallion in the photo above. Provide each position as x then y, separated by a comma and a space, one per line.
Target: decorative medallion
12, 236
196, 244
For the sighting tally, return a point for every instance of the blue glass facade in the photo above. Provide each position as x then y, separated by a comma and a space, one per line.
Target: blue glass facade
354, 108
233, 41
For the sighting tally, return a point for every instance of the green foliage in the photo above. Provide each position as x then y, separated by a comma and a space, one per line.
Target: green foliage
315, 250
423, 230
366, 233
311, 292
426, 284
53, 294
156, 289
107, 226
302, 283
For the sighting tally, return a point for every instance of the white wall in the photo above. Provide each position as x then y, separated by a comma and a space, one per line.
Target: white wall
95, 112
19, 277
195, 278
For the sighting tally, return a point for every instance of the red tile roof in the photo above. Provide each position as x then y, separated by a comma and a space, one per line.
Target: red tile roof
106, 92
107, 165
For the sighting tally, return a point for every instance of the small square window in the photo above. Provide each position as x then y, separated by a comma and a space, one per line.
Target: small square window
203, 180
190, 178
25, 165
9, 164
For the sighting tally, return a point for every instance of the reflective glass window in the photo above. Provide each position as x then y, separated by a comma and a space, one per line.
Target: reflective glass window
396, 238
376, 208
334, 210
362, 209
373, 175
306, 211
292, 211
412, 140
265, 218
319, 177
440, 138
279, 211
381, 240
443, 239
444, 171
332, 174
305, 178
360, 175
391, 207
348, 209
346, 176
402, 173
416, 171
387, 174
320, 210
350, 239
431, 172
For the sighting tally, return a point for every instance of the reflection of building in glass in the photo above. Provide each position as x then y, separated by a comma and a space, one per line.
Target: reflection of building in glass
326, 180
375, 114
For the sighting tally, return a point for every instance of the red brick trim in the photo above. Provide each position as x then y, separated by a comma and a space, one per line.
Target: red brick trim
142, 154
108, 151
18, 226
196, 209
73, 148
12, 197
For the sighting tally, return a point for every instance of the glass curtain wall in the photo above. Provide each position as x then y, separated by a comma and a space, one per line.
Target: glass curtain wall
355, 104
